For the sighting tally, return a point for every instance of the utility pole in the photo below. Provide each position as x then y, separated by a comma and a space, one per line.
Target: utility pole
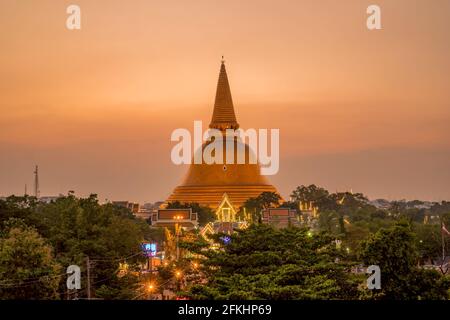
442, 239
36, 182
178, 238
88, 269
177, 233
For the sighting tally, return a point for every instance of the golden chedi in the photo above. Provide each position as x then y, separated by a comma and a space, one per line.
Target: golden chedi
209, 184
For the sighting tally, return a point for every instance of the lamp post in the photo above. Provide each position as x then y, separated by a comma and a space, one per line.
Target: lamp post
150, 289
178, 275
177, 233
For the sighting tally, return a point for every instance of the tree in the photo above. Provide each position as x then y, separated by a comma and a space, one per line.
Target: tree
77, 228
429, 241
328, 221
254, 206
264, 263
269, 199
309, 193
17, 207
27, 267
442, 210
123, 288
394, 251
289, 204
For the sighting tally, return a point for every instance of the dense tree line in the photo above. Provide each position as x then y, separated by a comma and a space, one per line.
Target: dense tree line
39, 241
262, 262
394, 250
265, 263
351, 217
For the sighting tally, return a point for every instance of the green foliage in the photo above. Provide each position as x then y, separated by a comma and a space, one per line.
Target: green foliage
443, 210
80, 227
429, 241
156, 234
123, 288
38, 241
264, 263
406, 210
268, 199
394, 250
290, 205
27, 267
16, 207
254, 206
310, 193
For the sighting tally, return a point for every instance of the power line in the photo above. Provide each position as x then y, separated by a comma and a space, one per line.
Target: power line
35, 278
24, 283
116, 259
16, 283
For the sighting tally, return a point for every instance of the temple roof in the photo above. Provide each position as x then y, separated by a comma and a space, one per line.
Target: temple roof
223, 115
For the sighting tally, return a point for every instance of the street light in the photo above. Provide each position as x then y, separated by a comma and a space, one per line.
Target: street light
177, 217
178, 275
150, 287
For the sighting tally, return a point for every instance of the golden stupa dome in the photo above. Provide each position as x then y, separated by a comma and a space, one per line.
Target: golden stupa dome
207, 183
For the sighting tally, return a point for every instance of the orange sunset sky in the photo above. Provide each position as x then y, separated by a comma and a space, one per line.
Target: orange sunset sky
94, 108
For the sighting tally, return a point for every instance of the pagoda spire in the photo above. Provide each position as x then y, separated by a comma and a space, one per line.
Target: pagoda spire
223, 115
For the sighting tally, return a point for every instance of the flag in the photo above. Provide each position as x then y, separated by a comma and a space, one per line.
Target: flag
444, 230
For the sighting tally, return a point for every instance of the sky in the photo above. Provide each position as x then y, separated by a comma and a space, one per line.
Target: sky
359, 110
